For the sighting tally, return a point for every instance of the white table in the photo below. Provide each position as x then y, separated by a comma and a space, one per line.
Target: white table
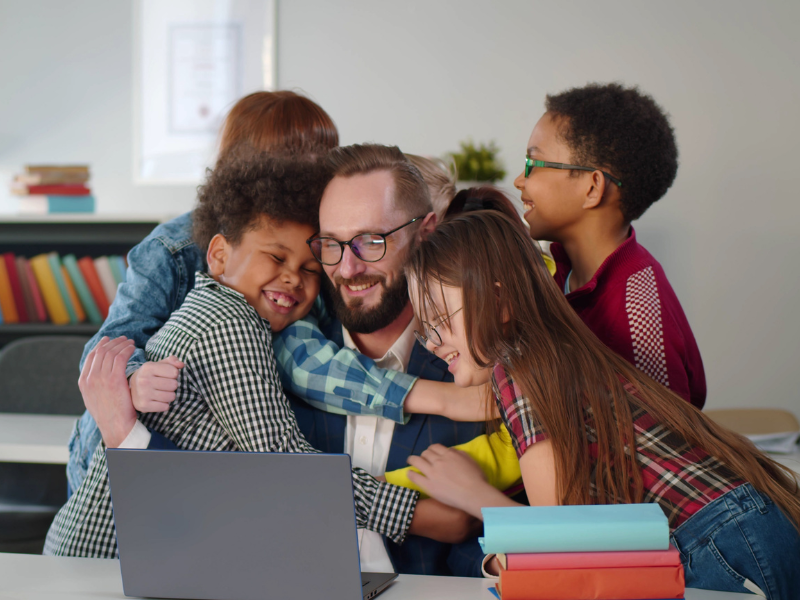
30, 577
35, 438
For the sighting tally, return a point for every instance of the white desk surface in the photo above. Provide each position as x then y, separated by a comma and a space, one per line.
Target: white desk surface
32, 577
35, 438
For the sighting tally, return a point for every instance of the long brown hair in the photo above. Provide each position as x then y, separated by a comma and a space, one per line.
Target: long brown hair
281, 122
564, 370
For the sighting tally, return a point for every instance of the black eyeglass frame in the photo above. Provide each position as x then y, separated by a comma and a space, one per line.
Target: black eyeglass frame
430, 330
532, 163
349, 243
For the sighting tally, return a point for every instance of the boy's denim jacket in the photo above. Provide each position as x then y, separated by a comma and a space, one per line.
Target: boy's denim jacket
161, 272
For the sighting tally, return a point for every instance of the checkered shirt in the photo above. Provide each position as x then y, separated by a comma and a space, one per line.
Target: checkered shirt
338, 380
229, 398
681, 478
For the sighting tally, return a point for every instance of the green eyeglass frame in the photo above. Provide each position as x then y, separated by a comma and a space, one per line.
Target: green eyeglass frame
530, 163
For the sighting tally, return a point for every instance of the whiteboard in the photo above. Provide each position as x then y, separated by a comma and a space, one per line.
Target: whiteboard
193, 59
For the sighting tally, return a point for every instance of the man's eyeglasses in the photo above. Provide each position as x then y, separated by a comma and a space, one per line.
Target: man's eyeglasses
430, 333
530, 164
369, 247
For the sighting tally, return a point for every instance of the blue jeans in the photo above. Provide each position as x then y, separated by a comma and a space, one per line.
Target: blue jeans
741, 542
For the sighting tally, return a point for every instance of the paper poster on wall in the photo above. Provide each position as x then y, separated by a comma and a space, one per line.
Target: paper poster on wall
194, 60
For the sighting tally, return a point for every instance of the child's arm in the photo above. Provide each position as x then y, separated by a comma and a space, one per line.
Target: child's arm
494, 454
233, 368
343, 381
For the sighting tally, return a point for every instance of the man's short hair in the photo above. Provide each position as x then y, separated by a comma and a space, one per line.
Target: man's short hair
411, 194
622, 131
249, 184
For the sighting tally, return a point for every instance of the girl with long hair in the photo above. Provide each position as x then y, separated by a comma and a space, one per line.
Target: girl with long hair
587, 426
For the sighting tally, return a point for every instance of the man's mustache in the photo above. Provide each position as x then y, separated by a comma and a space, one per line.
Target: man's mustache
362, 280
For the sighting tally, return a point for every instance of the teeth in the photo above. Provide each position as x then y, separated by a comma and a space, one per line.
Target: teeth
360, 288
281, 299
450, 357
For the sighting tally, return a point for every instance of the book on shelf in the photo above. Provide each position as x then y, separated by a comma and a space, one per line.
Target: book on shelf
87, 300
55, 267
574, 560
45, 205
7, 305
86, 265
36, 292
103, 268
51, 178
53, 301
73, 295
16, 287
55, 189
27, 292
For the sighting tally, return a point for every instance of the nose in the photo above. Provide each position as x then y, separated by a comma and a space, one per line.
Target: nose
350, 266
519, 182
430, 347
291, 277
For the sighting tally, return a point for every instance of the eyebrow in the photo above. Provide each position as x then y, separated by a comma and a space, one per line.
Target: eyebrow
533, 149
277, 245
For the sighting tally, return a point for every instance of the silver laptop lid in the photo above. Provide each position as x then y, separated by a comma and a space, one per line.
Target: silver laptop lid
235, 525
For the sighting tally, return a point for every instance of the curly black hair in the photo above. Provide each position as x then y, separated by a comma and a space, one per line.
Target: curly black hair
248, 184
622, 131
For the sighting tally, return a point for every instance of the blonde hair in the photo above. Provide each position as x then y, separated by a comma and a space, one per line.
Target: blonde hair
440, 179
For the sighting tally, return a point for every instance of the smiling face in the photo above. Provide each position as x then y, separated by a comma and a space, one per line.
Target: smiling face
446, 315
272, 266
552, 197
368, 296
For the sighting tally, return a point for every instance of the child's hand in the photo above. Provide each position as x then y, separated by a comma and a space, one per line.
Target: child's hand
104, 388
153, 385
448, 400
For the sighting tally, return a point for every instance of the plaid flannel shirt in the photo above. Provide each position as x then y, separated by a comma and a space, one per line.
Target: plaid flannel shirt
681, 478
229, 398
334, 379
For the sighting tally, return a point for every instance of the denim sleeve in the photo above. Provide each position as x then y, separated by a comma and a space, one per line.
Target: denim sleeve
155, 286
465, 559
337, 380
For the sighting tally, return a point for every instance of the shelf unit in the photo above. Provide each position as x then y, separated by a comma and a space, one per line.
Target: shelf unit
82, 235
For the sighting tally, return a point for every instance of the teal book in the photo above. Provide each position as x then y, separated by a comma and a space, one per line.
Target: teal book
119, 276
123, 268
67, 204
596, 528
55, 267
89, 305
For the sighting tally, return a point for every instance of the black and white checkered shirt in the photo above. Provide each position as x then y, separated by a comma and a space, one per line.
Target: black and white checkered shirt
229, 397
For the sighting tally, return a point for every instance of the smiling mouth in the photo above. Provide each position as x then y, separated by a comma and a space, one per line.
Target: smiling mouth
361, 287
528, 204
282, 300
450, 357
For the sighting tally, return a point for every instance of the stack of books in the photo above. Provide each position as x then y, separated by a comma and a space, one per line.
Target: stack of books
46, 189
612, 552
50, 289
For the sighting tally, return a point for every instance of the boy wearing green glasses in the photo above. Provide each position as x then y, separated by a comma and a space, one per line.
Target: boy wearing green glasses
596, 161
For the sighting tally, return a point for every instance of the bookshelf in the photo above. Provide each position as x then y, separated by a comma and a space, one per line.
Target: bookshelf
80, 234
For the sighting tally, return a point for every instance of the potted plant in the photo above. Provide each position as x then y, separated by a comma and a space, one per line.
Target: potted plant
477, 164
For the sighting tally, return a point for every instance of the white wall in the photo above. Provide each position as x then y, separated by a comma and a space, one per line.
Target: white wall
426, 74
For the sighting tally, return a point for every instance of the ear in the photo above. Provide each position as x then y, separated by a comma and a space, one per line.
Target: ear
594, 194
217, 255
505, 316
428, 225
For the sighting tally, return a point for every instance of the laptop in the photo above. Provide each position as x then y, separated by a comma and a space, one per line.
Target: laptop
237, 525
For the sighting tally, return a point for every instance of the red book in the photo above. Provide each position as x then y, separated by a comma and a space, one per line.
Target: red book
623, 583
64, 189
16, 288
586, 560
86, 265
38, 301
27, 293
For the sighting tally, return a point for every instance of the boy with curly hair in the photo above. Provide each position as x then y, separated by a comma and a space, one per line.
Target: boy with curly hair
596, 160
254, 217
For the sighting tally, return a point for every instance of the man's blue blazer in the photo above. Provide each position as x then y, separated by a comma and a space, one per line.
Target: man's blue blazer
325, 431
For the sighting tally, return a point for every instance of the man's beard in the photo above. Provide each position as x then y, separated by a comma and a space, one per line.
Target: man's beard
355, 317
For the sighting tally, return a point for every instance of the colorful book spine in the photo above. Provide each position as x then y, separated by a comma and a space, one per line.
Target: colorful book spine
118, 274
92, 312
73, 295
594, 528
36, 292
16, 287
63, 189
55, 267
50, 178
7, 304
89, 273
590, 560
50, 291
634, 583
123, 268
27, 294
103, 268
44, 205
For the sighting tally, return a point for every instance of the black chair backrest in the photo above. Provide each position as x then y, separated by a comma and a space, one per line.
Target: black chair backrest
39, 374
